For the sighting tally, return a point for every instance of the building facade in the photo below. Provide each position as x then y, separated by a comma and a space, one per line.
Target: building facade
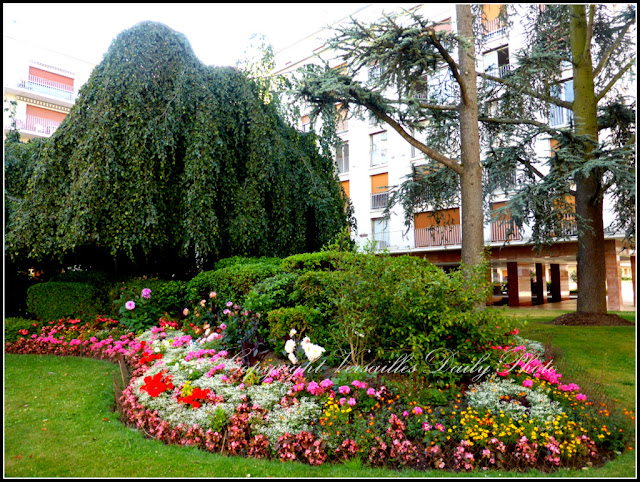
39, 87
374, 156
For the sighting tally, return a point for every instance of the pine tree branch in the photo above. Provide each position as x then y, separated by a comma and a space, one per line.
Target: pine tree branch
433, 154
607, 54
540, 125
453, 66
530, 92
438, 107
614, 80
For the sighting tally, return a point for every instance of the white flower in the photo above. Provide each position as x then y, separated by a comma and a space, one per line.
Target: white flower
293, 358
313, 352
292, 332
289, 346
305, 341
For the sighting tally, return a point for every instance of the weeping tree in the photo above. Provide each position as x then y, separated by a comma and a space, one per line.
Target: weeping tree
408, 52
594, 156
165, 158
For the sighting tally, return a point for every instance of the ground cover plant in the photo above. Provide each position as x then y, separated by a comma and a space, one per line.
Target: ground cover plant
193, 384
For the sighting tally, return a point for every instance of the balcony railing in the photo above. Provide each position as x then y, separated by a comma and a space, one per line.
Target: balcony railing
378, 157
499, 70
559, 116
381, 240
379, 201
494, 28
438, 236
31, 123
505, 231
48, 87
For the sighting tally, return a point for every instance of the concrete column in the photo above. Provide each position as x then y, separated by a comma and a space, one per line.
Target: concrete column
559, 282
541, 284
519, 284
614, 282
633, 278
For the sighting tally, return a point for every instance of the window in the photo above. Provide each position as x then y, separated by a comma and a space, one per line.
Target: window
378, 149
342, 157
306, 123
379, 191
375, 72
496, 63
559, 116
380, 228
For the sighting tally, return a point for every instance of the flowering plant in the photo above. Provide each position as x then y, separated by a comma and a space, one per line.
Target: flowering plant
311, 351
137, 312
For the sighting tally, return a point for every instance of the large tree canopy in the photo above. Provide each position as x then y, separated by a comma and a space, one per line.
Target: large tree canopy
162, 154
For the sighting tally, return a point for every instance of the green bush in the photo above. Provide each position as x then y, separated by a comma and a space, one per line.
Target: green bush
240, 260
56, 299
232, 283
13, 325
301, 318
323, 261
272, 293
169, 296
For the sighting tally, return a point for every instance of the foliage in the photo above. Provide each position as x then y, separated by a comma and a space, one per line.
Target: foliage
230, 283
163, 156
168, 295
138, 311
272, 293
236, 260
14, 328
56, 299
320, 260
301, 318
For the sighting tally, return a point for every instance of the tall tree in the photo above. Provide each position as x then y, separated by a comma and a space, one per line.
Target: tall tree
409, 53
162, 156
597, 48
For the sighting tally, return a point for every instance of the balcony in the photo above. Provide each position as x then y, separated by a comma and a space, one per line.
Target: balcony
48, 87
505, 231
38, 125
559, 116
438, 236
379, 201
378, 157
494, 28
499, 70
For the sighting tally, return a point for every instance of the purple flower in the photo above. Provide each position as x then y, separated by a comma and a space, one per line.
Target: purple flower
146, 293
130, 305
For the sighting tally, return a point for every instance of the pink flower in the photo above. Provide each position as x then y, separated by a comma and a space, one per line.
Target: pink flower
344, 390
405, 414
359, 384
268, 380
351, 401
185, 312
229, 304
371, 392
223, 326
417, 410
342, 401
212, 294
581, 397
527, 383
146, 293
130, 305
326, 383
426, 426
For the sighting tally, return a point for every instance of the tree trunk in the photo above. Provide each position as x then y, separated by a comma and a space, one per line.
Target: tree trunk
471, 178
591, 264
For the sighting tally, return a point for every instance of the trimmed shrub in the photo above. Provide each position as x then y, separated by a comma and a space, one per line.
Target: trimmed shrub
282, 321
56, 299
238, 260
272, 293
14, 325
232, 283
323, 261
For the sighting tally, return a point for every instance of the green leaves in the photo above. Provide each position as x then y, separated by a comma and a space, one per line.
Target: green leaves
162, 153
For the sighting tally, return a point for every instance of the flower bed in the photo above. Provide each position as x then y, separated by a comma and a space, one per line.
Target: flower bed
187, 389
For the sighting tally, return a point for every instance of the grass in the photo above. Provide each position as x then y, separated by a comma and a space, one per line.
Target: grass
59, 423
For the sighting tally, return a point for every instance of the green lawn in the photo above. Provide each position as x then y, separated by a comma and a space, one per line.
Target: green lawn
59, 423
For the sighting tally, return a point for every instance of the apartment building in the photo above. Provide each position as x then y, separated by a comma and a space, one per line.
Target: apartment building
373, 157
39, 87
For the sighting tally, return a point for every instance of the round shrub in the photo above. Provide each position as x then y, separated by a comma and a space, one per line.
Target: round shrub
272, 293
301, 318
55, 299
323, 261
232, 283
